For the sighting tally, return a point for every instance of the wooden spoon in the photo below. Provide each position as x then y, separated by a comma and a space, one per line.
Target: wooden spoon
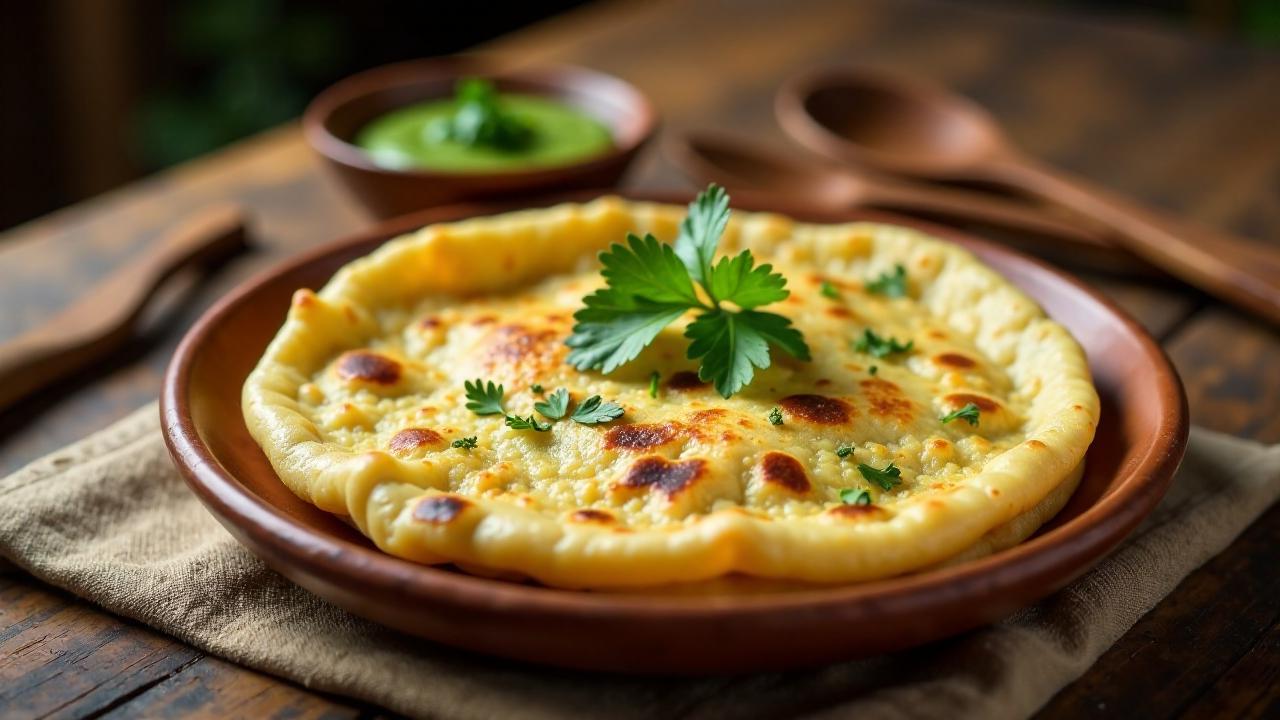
104, 318
909, 127
738, 164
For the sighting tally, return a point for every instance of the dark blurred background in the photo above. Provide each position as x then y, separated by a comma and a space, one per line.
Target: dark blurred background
94, 93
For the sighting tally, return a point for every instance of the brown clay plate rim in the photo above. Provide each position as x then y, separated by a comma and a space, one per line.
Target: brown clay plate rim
542, 79
1046, 561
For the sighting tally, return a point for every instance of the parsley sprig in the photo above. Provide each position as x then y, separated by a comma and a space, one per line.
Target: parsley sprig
595, 410
465, 443
515, 422
855, 496
887, 478
484, 399
650, 284
555, 406
892, 285
969, 413
878, 347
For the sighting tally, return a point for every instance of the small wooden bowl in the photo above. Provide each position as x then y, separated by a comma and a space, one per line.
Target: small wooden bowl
1140, 441
336, 115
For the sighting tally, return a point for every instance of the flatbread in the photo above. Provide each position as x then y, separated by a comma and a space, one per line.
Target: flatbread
359, 398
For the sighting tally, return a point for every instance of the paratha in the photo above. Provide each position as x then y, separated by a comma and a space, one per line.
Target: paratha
359, 405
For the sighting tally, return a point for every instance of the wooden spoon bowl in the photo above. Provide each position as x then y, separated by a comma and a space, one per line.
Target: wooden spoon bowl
1140, 441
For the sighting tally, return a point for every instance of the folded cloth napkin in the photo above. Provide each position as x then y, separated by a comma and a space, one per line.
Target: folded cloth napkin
110, 520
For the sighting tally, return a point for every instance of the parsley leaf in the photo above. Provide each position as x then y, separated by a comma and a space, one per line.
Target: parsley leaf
732, 345
536, 388
886, 478
844, 451
515, 422
654, 378
775, 416
879, 347
747, 286
484, 399
969, 413
479, 120
555, 406
649, 285
594, 411
701, 230
466, 443
855, 496
891, 285
828, 290
873, 370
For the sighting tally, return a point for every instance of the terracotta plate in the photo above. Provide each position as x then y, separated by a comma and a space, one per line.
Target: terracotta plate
1140, 441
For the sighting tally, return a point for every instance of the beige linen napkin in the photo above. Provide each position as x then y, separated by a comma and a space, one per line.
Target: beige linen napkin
110, 520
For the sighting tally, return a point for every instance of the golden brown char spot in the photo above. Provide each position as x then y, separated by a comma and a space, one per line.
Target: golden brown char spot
439, 509
936, 504
887, 400
430, 322
822, 382
955, 360
937, 334
782, 469
557, 317
588, 515
708, 415
729, 437
350, 313
1035, 445
639, 436
818, 409
939, 444
659, 473
859, 512
1077, 408
837, 311
993, 492
413, 438
368, 366
484, 320
685, 380
959, 400
520, 346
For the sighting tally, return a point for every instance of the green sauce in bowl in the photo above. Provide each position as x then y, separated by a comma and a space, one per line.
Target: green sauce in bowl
480, 130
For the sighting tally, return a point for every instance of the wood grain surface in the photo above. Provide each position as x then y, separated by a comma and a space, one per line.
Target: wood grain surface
1184, 124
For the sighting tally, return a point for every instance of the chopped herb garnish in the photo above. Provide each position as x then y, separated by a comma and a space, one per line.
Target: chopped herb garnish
775, 416
969, 413
886, 478
650, 284
879, 347
873, 370
594, 411
855, 496
515, 422
480, 120
537, 389
844, 451
466, 443
890, 284
828, 290
654, 379
484, 398
555, 406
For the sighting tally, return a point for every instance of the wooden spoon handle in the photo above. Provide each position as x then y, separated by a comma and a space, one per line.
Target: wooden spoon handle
1232, 269
103, 319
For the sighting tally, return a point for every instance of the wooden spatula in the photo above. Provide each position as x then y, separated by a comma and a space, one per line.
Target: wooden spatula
105, 318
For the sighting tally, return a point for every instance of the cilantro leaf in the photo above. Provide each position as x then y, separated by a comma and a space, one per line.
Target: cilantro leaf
855, 496
886, 478
775, 416
969, 413
594, 411
892, 285
739, 282
466, 443
701, 230
646, 268
515, 422
612, 330
482, 398
827, 290
536, 388
879, 347
555, 406
844, 451
732, 345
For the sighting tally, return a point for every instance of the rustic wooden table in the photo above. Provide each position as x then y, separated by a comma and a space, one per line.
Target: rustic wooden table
1178, 122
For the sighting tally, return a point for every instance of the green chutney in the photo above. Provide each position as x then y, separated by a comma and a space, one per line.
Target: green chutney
411, 137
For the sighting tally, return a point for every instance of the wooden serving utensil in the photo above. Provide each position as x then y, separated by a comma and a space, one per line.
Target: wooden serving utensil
912, 128
105, 318
738, 164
